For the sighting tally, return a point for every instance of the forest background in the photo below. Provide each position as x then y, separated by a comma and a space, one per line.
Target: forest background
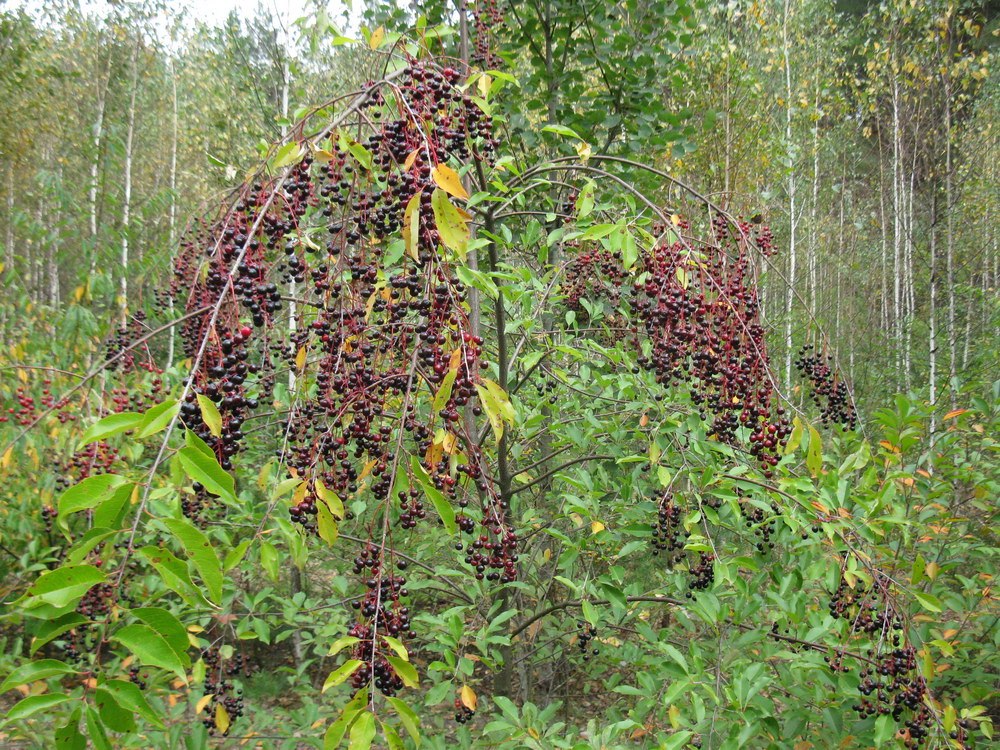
864, 134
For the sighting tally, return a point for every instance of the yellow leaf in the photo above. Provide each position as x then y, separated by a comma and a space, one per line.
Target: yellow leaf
449, 443
332, 500
221, 718
204, 701
410, 159
448, 180
434, 453
596, 526
533, 732
300, 359
468, 696
411, 226
377, 36
675, 219
368, 469
953, 414
583, 150
674, 715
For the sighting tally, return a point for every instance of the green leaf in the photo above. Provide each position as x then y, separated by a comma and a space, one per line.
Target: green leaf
441, 504
113, 424
359, 152
325, 523
290, 153
795, 438
210, 415
235, 556
52, 629
406, 671
109, 513
452, 223
630, 251
444, 391
341, 643
397, 646
585, 201
68, 736
561, 130
814, 453
589, 613
392, 739
885, 728
88, 493
174, 574
35, 670
408, 718
168, 626
929, 601
199, 550
362, 732
95, 730
340, 674
130, 696
335, 734
157, 418
62, 586
206, 469
150, 647
35, 703
269, 560
112, 714
193, 441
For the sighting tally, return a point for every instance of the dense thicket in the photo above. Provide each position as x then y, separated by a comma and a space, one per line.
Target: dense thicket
551, 374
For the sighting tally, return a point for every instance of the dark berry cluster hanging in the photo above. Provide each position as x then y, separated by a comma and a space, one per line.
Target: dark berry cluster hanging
828, 391
380, 354
698, 308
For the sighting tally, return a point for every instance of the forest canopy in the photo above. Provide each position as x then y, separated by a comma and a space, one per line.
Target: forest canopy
485, 374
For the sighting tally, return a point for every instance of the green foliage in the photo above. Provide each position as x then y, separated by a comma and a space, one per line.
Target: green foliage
154, 568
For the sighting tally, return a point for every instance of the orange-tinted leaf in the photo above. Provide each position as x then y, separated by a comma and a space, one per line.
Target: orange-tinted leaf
448, 180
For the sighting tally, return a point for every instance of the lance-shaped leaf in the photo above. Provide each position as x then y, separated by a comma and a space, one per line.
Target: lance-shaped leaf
452, 223
88, 493
340, 674
207, 471
199, 551
62, 586
411, 226
210, 415
814, 453
174, 573
441, 504
168, 626
113, 424
34, 670
151, 648
448, 180
157, 418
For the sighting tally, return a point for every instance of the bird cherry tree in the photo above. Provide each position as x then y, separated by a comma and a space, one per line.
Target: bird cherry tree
478, 389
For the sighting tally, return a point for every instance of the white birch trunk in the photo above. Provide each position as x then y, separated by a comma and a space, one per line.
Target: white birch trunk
127, 198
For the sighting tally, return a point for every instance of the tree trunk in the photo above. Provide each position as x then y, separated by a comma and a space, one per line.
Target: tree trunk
172, 215
95, 160
790, 294
127, 199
